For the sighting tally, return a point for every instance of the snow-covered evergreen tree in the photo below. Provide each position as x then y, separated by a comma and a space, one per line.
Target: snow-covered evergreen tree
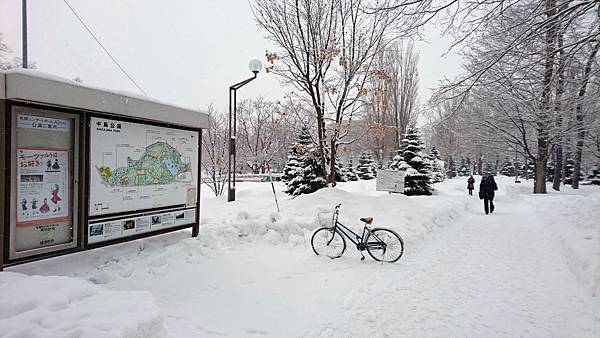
529, 172
464, 169
417, 180
489, 169
451, 171
395, 161
375, 165
594, 176
570, 170
507, 168
302, 172
364, 169
550, 171
438, 170
349, 171
340, 175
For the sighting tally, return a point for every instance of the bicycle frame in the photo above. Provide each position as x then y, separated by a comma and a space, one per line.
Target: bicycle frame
360, 240
344, 231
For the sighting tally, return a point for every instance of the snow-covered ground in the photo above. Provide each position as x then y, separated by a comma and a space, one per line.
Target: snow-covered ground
530, 269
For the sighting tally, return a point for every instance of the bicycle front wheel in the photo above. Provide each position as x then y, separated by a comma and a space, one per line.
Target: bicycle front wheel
384, 245
328, 242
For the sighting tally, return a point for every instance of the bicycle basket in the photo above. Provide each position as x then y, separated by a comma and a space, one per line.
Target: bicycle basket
325, 218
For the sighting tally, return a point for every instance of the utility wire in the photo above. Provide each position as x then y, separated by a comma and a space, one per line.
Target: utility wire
104, 49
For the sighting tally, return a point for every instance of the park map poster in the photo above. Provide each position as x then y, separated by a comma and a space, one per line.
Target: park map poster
43, 177
137, 166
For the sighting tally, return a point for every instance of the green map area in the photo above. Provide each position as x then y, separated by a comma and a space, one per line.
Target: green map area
159, 164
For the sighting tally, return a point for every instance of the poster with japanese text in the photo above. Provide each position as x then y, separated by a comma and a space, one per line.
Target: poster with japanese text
43, 192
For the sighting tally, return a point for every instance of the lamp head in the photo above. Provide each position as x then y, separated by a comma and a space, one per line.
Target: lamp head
255, 66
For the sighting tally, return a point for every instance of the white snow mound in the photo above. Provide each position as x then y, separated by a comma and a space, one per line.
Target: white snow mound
42, 306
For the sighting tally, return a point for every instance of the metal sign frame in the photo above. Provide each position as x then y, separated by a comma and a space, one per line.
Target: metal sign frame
143, 212
80, 182
12, 200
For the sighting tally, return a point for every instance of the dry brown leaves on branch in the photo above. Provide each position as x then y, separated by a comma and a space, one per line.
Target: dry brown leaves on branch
327, 54
299, 148
378, 130
271, 57
381, 74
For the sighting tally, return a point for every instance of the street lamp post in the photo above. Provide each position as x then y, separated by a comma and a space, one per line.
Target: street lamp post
24, 33
255, 66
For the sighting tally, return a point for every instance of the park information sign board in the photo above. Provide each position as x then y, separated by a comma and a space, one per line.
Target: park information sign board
390, 180
139, 167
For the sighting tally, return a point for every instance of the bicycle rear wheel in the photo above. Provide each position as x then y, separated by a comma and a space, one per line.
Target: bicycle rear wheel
384, 245
328, 242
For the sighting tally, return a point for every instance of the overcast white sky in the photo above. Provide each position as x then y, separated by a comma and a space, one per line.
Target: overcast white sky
185, 52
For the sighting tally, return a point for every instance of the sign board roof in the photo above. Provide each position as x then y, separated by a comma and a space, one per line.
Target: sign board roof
38, 87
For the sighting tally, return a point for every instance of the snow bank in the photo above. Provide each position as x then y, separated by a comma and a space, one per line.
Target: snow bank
573, 219
253, 217
50, 306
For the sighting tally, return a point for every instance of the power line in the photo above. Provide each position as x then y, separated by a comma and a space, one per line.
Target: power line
104, 49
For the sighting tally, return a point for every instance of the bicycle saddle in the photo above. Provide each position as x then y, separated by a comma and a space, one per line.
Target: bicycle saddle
367, 220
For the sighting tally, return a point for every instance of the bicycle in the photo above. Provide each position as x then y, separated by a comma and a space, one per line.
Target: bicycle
382, 244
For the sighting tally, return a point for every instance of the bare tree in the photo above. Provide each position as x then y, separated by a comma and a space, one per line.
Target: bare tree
517, 67
392, 99
214, 151
403, 99
261, 133
325, 51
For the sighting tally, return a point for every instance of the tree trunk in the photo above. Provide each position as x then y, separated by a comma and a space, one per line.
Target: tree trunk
563, 169
580, 115
540, 171
331, 178
321, 140
560, 89
558, 164
543, 117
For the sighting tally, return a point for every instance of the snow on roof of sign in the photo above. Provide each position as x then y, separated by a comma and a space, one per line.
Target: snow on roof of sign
35, 86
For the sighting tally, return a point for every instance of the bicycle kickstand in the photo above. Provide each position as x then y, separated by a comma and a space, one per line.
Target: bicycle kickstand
363, 256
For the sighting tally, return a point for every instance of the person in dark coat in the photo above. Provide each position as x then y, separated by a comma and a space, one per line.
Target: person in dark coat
487, 189
471, 185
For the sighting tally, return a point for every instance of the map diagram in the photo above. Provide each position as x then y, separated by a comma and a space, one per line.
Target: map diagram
135, 166
160, 164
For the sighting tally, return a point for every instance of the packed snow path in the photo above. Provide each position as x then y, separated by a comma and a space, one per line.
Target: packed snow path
489, 275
